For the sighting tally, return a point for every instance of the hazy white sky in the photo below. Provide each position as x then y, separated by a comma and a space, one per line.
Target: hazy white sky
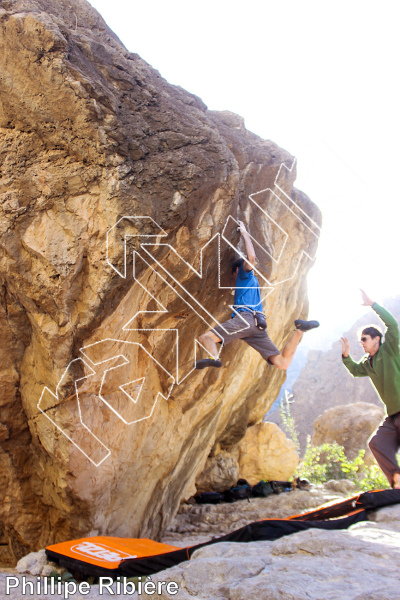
321, 80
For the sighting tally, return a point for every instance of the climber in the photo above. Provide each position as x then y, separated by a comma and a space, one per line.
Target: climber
382, 365
248, 321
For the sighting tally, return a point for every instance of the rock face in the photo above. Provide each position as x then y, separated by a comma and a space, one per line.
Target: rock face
325, 383
350, 426
105, 425
219, 474
266, 453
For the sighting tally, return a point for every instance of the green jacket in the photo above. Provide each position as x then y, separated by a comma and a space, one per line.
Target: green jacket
385, 370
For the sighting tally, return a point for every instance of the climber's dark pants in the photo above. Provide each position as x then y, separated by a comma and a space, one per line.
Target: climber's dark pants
384, 445
242, 327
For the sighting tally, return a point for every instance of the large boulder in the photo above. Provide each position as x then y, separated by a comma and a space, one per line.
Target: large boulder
119, 198
349, 425
266, 453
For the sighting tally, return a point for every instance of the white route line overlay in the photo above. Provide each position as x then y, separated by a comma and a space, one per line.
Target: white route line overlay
46, 389
127, 236
121, 387
92, 372
270, 287
184, 289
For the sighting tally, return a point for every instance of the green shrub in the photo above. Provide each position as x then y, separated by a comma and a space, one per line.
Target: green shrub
328, 461
373, 479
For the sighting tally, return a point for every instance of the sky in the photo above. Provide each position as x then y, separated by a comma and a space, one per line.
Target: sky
319, 79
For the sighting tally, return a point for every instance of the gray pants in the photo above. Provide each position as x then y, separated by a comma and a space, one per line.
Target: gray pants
243, 328
385, 444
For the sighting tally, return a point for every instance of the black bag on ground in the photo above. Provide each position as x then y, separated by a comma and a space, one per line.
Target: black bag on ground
262, 489
281, 486
209, 498
240, 491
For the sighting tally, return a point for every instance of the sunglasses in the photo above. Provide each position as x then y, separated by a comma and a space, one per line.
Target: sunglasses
364, 339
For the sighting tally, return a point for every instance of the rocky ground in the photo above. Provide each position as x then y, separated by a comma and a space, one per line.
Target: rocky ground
196, 523
361, 563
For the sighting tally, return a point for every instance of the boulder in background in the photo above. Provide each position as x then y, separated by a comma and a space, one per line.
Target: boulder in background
266, 453
220, 473
350, 425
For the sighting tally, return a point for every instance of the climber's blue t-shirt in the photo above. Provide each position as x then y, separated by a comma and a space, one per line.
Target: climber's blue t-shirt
247, 292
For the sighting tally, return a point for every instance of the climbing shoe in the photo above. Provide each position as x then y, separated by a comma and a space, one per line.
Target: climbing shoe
208, 362
305, 325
